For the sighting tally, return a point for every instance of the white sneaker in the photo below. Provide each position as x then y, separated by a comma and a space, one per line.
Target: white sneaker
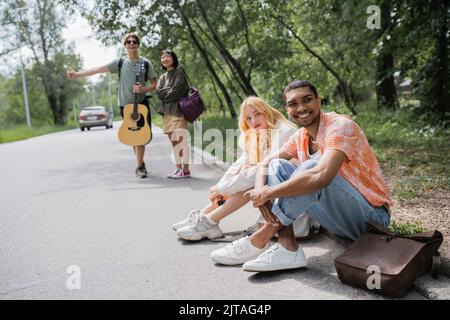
188, 220
202, 227
237, 252
170, 175
277, 258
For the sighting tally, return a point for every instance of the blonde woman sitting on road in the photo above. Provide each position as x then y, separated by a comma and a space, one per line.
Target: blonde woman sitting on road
264, 130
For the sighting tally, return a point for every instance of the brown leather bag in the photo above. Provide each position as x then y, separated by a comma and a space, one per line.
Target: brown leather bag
400, 260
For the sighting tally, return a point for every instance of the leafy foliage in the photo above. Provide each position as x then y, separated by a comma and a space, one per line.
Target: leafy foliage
39, 25
406, 228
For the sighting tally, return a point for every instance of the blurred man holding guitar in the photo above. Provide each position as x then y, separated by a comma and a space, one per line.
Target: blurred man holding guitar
128, 86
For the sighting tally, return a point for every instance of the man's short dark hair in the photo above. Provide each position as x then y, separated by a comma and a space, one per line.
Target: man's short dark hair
299, 84
172, 54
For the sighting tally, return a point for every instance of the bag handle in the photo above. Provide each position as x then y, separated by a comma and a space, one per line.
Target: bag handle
436, 265
379, 228
187, 77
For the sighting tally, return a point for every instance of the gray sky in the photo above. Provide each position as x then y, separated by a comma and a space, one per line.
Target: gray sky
94, 54
80, 33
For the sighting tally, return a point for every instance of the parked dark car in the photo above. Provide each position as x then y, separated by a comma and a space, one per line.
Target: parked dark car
95, 116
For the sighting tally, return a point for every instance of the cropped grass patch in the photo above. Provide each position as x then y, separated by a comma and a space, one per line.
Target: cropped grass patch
406, 228
408, 149
215, 120
22, 132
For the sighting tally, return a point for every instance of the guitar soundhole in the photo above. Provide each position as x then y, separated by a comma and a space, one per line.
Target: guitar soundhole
141, 122
138, 118
135, 116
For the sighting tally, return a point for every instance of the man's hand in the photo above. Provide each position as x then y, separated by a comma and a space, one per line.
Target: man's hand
71, 74
266, 212
137, 88
262, 201
258, 196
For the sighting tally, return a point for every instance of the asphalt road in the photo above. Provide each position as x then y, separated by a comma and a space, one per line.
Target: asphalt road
71, 199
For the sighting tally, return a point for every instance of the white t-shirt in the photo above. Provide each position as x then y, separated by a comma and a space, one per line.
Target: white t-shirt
315, 156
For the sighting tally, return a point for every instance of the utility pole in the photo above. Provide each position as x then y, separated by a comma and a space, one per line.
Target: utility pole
24, 89
93, 95
74, 113
109, 93
24, 83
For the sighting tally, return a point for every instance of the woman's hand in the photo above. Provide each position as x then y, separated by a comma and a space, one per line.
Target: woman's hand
217, 198
214, 194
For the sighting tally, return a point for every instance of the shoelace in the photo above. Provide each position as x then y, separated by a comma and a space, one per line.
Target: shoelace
192, 215
236, 246
179, 173
197, 218
174, 173
235, 242
268, 255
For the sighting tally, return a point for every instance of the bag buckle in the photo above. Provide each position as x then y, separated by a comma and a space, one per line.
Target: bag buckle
388, 239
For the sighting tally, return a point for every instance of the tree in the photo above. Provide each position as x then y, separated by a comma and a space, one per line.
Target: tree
250, 47
202, 50
424, 54
282, 13
385, 84
12, 112
40, 31
236, 66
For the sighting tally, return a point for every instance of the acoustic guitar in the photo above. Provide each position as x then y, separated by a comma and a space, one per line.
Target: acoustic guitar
135, 129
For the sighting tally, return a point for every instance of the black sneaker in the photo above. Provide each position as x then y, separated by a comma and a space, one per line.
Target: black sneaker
141, 172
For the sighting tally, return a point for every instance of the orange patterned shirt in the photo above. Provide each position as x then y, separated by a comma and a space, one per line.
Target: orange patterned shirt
360, 168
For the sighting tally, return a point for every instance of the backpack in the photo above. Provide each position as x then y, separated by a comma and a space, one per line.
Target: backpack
146, 65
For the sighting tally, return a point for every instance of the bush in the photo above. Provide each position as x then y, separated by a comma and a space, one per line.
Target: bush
406, 228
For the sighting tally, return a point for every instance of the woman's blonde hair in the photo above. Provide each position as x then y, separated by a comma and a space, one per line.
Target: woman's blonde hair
257, 143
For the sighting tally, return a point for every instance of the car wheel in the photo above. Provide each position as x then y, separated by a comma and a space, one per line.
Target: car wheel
107, 127
89, 128
82, 128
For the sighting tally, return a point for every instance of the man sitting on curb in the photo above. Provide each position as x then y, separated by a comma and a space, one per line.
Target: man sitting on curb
338, 183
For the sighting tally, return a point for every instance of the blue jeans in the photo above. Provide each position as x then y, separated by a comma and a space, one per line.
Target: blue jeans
339, 207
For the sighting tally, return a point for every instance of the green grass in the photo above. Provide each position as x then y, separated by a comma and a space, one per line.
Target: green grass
412, 150
215, 120
23, 132
157, 120
406, 228
408, 148
210, 120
